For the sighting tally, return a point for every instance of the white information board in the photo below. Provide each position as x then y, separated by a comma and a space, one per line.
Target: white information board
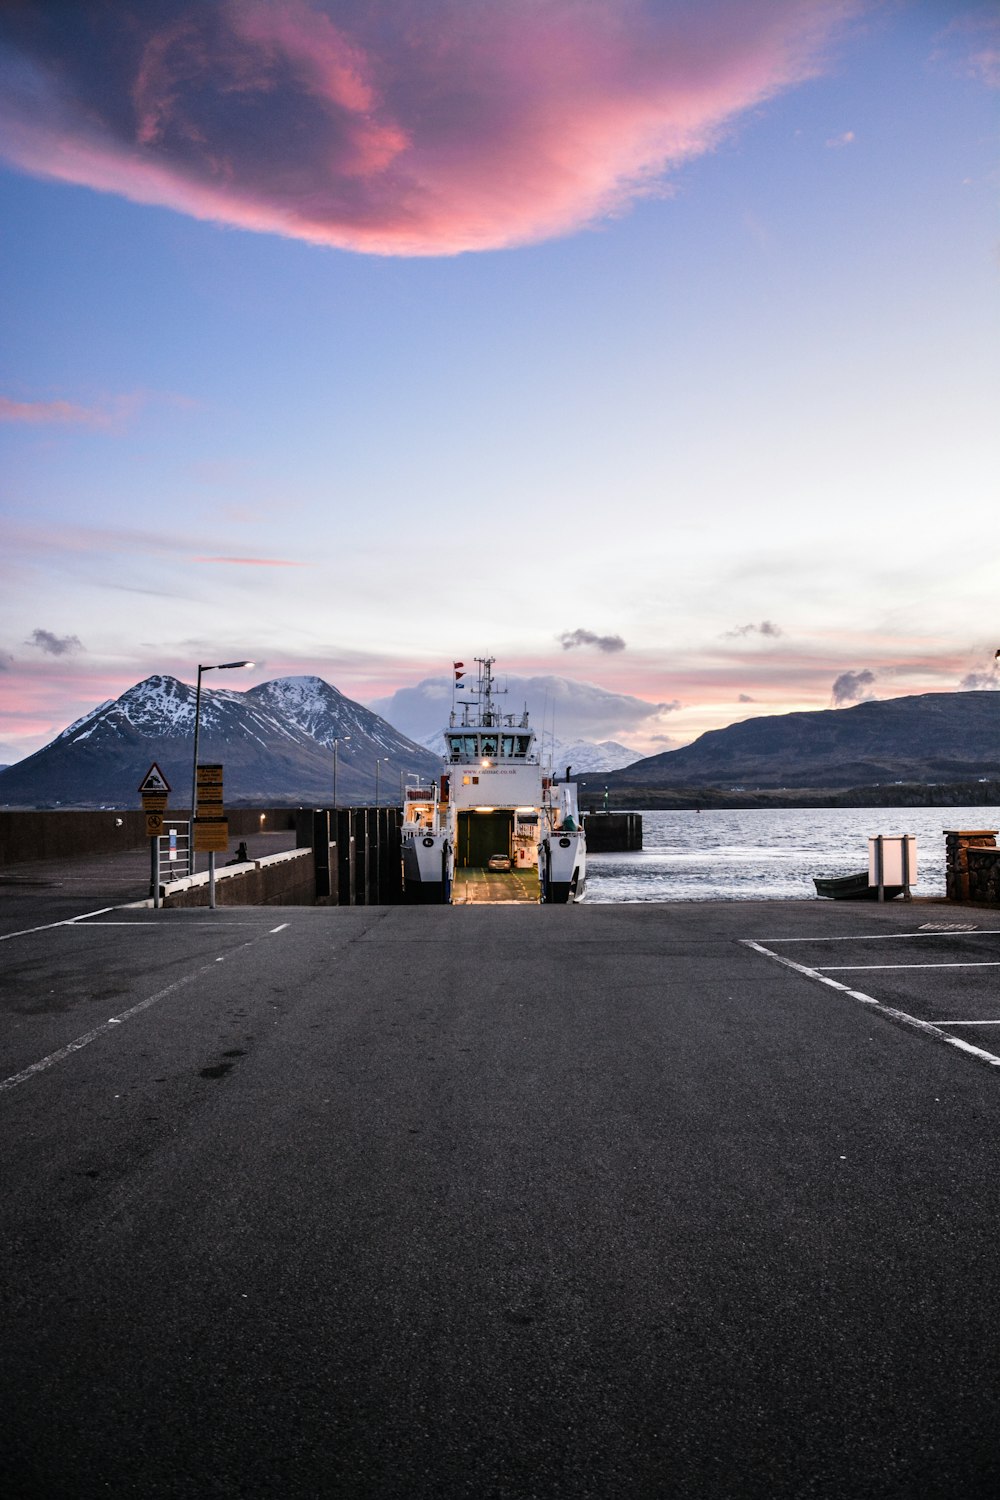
899, 859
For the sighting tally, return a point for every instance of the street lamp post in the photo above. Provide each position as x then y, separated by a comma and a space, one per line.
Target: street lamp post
378, 762
221, 666
336, 743
378, 835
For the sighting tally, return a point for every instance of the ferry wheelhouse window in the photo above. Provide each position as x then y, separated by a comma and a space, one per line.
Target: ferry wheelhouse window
462, 747
489, 744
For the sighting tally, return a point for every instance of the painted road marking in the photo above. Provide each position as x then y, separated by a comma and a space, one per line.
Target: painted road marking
91, 1036
87, 924
166, 926
67, 922
80, 1042
926, 1028
280, 928
982, 963
881, 937
967, 1023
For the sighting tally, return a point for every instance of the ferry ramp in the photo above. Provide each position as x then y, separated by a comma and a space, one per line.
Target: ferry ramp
476, 887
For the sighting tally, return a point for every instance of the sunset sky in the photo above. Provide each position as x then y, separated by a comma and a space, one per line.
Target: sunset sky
651, 344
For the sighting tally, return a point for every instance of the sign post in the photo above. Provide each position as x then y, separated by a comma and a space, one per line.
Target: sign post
211, 826
154, 790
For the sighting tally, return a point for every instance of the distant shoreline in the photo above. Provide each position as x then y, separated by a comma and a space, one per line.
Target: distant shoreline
687, 799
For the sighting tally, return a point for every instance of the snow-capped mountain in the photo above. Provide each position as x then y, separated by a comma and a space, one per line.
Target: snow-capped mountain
588, 755
275, 742
581, 755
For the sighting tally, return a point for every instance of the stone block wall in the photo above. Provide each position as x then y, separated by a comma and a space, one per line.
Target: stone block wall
984, 876
972, 865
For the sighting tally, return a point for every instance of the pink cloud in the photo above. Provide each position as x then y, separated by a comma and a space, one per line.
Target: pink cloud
65, 413
424, 127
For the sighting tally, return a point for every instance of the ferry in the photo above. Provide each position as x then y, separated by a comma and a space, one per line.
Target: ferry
497, 824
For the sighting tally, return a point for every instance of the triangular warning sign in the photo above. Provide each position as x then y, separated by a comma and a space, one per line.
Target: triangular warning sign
154, 780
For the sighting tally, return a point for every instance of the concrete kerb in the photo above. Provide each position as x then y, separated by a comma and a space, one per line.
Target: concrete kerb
264, 882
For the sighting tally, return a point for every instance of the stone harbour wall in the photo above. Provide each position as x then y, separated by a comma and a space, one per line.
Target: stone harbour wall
972, 865
984, 876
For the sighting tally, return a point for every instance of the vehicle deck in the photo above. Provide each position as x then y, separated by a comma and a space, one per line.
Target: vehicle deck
476, 886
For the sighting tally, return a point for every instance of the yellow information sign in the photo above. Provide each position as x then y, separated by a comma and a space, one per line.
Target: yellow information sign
211, 835
210, 799
154, 824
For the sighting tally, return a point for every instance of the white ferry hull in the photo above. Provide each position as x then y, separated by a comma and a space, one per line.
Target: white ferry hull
562, 866
426, 868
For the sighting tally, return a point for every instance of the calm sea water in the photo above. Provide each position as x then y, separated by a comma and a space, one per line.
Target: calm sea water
760, 854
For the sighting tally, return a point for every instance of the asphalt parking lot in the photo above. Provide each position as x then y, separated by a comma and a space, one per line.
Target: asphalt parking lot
939, 974
491, 1202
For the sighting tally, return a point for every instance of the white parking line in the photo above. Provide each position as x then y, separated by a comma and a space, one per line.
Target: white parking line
926, 1028
126, 1015
885, 937
967, 1023
84, 923
984, 963
90, 1036
67, 922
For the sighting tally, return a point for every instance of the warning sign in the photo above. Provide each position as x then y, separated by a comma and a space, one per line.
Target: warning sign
154, 824
154, 780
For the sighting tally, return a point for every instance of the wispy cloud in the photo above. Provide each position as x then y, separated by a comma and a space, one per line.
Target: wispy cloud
971, 43
846, 138
253, 562
108, 414
452, 127
573, 638
54, 645
853, 687
987, 678
765, 628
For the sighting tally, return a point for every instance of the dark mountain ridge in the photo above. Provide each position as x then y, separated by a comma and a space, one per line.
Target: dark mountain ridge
927, 737
275, 742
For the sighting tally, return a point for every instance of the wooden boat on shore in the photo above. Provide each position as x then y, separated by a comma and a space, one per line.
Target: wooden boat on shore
852, 888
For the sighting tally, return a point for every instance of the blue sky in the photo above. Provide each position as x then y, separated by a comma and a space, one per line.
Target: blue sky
729, 397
